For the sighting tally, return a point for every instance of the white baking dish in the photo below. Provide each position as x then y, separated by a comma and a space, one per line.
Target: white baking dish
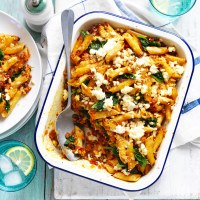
52, 106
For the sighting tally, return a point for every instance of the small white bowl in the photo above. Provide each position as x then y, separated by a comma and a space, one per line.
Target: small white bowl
52, 106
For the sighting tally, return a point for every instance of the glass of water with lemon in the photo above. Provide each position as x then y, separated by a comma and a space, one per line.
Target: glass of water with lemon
17, 165
171, 8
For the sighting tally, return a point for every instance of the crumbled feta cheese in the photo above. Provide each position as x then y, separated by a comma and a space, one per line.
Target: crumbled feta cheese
126, 90
7, 97
137, 131
115, 83
154, 90
127, 103
98, 93
120, 129
165, 76
108, 103
153, 69
143, 150
101, 52
99, 78
144, 89
138, 85
138, 75
167, 92
177, 68
93, 70
144, 61
171, 49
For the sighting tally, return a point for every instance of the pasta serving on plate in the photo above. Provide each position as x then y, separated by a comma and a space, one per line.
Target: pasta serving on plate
123, 90
15, 73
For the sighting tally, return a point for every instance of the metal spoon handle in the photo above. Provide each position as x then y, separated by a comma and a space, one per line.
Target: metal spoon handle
67, 21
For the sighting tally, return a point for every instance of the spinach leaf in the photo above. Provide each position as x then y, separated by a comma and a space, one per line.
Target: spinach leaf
140, 158
98, 105
97, 44
113, 149
84, 33
7, 106
69, 140
127, 76
86, 82
75, 91
151, 122
145, 42
85, 113
135, 171
158, 77
17, 74
1, 55
115, 100
121, 164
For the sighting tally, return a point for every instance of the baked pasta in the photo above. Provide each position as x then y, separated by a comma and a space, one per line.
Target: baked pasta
123, 90
15, 73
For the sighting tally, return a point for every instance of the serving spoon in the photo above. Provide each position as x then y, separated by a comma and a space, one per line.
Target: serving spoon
64, 122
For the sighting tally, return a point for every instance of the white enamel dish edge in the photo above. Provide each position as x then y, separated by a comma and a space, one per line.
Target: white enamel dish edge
27, 104
100, 175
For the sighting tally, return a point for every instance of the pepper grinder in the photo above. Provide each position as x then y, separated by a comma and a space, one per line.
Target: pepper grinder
37, 13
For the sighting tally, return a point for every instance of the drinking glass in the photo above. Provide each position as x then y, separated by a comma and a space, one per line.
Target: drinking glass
171, 8
12, 178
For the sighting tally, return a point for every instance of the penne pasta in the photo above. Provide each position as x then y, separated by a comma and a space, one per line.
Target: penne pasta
124, 90
15, 73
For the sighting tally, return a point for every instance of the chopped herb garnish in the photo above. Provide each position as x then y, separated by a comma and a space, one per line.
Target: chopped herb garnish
146, 42
140, 158
151, 122
7, 106
86, 82
1, 55
75, 91
158, 76
98, 105
97, 44
85, 113
17, 74
84, 33
127, 76
69, 140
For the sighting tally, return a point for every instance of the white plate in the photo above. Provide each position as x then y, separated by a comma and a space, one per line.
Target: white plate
53, 101
27, 104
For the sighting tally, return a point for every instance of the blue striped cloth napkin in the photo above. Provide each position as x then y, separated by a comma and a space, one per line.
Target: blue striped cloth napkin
188, 129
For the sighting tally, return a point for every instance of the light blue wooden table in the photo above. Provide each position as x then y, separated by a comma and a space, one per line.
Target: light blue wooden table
41, 186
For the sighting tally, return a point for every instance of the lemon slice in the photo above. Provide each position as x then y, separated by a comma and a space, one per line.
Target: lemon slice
22, 157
